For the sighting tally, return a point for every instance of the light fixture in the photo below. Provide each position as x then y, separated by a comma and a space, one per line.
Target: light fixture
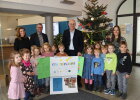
67, 2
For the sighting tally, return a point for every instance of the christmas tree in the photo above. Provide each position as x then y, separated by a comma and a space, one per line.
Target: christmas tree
96, 22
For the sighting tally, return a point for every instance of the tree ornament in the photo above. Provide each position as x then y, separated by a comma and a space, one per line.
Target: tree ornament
104, 13
92, 18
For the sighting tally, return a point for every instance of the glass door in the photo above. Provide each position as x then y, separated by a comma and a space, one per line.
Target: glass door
138, 41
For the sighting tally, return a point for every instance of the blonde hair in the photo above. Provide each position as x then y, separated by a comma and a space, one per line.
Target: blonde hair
48, 45
33, 46
111, 45
61, 45
12, 58
34, 50
89, 46
98, 50
104, 47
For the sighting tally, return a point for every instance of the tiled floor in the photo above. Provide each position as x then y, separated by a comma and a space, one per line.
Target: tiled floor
133, 88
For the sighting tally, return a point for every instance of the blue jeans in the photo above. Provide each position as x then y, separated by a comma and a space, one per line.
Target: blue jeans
97, 80
27, 95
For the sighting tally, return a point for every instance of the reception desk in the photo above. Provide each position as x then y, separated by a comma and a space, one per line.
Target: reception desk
5, 51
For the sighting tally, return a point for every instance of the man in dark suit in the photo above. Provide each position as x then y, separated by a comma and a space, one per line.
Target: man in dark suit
38, 38
73, 42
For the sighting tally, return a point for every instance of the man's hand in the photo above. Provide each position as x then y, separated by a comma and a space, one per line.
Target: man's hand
79, 54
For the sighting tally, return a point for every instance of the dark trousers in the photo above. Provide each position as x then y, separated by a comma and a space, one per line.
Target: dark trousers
27, 95
97, 80
74, 53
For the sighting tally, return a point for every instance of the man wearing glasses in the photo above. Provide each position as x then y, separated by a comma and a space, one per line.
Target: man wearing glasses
38, 38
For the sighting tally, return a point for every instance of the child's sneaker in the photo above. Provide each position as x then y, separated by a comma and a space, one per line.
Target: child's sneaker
107, 91
124, 96
112, 92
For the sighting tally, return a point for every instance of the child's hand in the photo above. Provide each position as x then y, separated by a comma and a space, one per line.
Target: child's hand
127, 76
79, 54
32, 73
29, 73
113, 73
102, 74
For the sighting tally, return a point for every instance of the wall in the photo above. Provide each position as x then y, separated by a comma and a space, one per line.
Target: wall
51, 3
38, 19
111, 8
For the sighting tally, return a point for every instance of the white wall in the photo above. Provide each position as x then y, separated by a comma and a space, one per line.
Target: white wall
51, 3
111, 8
38, 19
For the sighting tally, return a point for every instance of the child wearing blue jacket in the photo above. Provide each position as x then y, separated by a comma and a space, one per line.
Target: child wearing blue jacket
97, 70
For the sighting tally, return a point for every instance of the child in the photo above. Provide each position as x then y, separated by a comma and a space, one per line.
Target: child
110, 69
16, 87
36, 52
97, 45
88, 56
54, 49
32, 48
47, 50
124, 69
61, 50
27, 71
97, 70
103, 54
47, 53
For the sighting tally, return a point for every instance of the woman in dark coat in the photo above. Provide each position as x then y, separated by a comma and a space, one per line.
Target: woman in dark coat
22, 41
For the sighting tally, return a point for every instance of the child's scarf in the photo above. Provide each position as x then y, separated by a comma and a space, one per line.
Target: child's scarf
26, 63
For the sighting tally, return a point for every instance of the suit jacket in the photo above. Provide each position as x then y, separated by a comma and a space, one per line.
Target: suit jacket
34, 39
77, 40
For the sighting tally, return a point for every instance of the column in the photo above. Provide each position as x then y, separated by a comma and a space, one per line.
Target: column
49, 28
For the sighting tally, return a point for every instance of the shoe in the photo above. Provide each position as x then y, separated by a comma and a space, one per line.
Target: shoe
86, 86
79, 85
118, 94
107, 91
95, 89
124, 96
112, 92
90, 87
99, 89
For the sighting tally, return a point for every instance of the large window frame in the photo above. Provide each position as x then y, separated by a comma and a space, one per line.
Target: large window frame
135, 15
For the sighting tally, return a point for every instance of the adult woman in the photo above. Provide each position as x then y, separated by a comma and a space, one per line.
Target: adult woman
117, 38
21, 41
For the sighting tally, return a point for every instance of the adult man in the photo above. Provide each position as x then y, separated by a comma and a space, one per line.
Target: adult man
73, 42
38, 38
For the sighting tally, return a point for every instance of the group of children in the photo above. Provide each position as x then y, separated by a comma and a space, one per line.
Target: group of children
100, 63
23, 71
102, 68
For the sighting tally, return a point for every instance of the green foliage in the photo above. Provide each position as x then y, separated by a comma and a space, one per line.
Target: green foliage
58, 39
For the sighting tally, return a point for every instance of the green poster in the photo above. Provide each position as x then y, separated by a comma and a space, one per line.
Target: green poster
43, 68
80, 65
